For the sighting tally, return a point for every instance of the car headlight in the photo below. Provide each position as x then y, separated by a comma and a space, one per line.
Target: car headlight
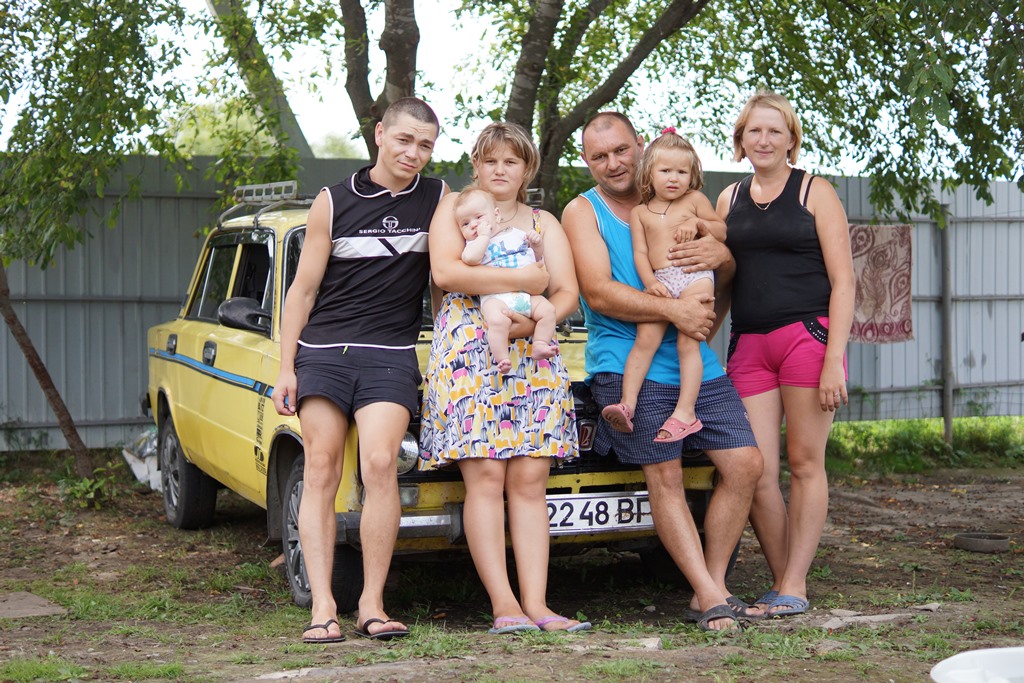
408, 453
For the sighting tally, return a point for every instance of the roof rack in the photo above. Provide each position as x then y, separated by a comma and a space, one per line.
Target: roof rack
266, 196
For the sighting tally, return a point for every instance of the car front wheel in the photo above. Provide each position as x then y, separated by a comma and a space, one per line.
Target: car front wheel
347, 576
190, 495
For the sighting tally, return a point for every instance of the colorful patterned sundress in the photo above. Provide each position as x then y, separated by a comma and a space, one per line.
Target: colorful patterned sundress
471, 410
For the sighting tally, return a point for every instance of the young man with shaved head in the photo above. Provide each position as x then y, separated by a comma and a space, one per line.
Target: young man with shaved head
348, 353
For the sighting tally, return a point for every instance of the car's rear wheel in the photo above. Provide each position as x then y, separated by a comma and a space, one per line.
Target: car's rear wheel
347, 578
190, 495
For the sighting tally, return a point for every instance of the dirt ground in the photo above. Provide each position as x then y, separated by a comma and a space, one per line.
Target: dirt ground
886, 554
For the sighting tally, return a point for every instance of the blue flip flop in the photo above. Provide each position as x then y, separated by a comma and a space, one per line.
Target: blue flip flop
790, 605
503, 625
767, 599
575, 628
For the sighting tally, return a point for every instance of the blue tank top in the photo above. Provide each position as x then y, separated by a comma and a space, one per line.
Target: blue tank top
609, 340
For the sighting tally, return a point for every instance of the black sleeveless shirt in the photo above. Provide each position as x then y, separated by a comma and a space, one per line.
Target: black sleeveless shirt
780, 270
372, 291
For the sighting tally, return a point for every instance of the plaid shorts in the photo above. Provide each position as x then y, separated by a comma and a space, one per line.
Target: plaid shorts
726, 425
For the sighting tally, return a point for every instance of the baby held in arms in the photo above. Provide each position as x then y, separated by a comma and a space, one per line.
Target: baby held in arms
490, 243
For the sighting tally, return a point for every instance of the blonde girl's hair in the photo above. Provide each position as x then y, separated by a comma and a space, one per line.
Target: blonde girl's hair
669, 139
768, 100
518, 141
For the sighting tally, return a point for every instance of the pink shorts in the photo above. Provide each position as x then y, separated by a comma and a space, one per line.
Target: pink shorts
792, 355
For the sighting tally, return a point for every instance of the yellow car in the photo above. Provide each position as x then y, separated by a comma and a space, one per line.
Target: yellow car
211, 374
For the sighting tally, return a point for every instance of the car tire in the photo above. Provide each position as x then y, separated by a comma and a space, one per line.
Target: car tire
662, 568
190, 495
347, 576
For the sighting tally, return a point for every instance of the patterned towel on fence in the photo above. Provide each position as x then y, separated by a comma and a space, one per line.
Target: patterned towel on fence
882, 268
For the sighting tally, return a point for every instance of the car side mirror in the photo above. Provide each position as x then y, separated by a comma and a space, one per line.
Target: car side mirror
244, 313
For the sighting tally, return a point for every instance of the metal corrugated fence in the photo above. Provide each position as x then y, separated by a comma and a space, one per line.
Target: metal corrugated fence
88, 313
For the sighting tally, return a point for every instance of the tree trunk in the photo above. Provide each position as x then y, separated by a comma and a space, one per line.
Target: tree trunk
357, 72
522, 102
83, 463
258, 73
399, 42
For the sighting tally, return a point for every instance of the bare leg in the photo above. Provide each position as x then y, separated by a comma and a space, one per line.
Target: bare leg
738, 473
678, 534
807, 427
648, 339
691, 371
324, 427
691, 365
768, 512
525, 485
484, 519
381, 428
496, 315
544, 314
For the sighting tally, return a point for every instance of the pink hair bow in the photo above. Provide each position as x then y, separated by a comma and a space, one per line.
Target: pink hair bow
670, 129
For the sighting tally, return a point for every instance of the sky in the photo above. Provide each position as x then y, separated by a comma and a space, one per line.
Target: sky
444, 47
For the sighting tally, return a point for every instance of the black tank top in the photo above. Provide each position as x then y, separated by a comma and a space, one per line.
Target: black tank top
372, 291
780, 271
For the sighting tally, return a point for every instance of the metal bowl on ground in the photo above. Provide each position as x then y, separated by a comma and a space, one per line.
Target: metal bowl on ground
982, 542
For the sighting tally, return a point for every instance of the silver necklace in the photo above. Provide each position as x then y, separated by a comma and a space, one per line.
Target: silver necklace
765, 207
512, 217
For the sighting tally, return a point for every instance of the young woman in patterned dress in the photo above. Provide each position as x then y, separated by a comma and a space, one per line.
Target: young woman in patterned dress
502, 430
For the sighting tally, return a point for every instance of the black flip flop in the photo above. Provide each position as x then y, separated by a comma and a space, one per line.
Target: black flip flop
742, 609
718, 612
325, 626
362, 631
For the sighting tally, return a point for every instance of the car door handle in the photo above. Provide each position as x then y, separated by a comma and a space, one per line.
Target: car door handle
209, 352
172, 343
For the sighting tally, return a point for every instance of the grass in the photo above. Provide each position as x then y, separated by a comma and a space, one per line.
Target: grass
32, 669
623, 670
241, 610
914, 446
143, 671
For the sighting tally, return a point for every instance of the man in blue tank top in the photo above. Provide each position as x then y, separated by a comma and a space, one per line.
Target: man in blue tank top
614, 301
348, 335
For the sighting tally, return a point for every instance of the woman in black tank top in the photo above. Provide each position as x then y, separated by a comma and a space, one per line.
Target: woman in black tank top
792, 308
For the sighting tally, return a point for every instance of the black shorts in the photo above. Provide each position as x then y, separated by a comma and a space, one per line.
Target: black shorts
355, 376
719, 408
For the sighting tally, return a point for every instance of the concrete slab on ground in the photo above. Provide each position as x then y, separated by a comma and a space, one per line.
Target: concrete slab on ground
21, 604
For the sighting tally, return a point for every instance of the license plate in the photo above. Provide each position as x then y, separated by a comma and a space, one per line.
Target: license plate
596, 512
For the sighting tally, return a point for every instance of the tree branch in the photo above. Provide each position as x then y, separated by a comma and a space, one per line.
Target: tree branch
258, 73
676, 15
553, 137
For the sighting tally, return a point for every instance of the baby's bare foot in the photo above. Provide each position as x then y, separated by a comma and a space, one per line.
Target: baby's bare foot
504, 366
543, 350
